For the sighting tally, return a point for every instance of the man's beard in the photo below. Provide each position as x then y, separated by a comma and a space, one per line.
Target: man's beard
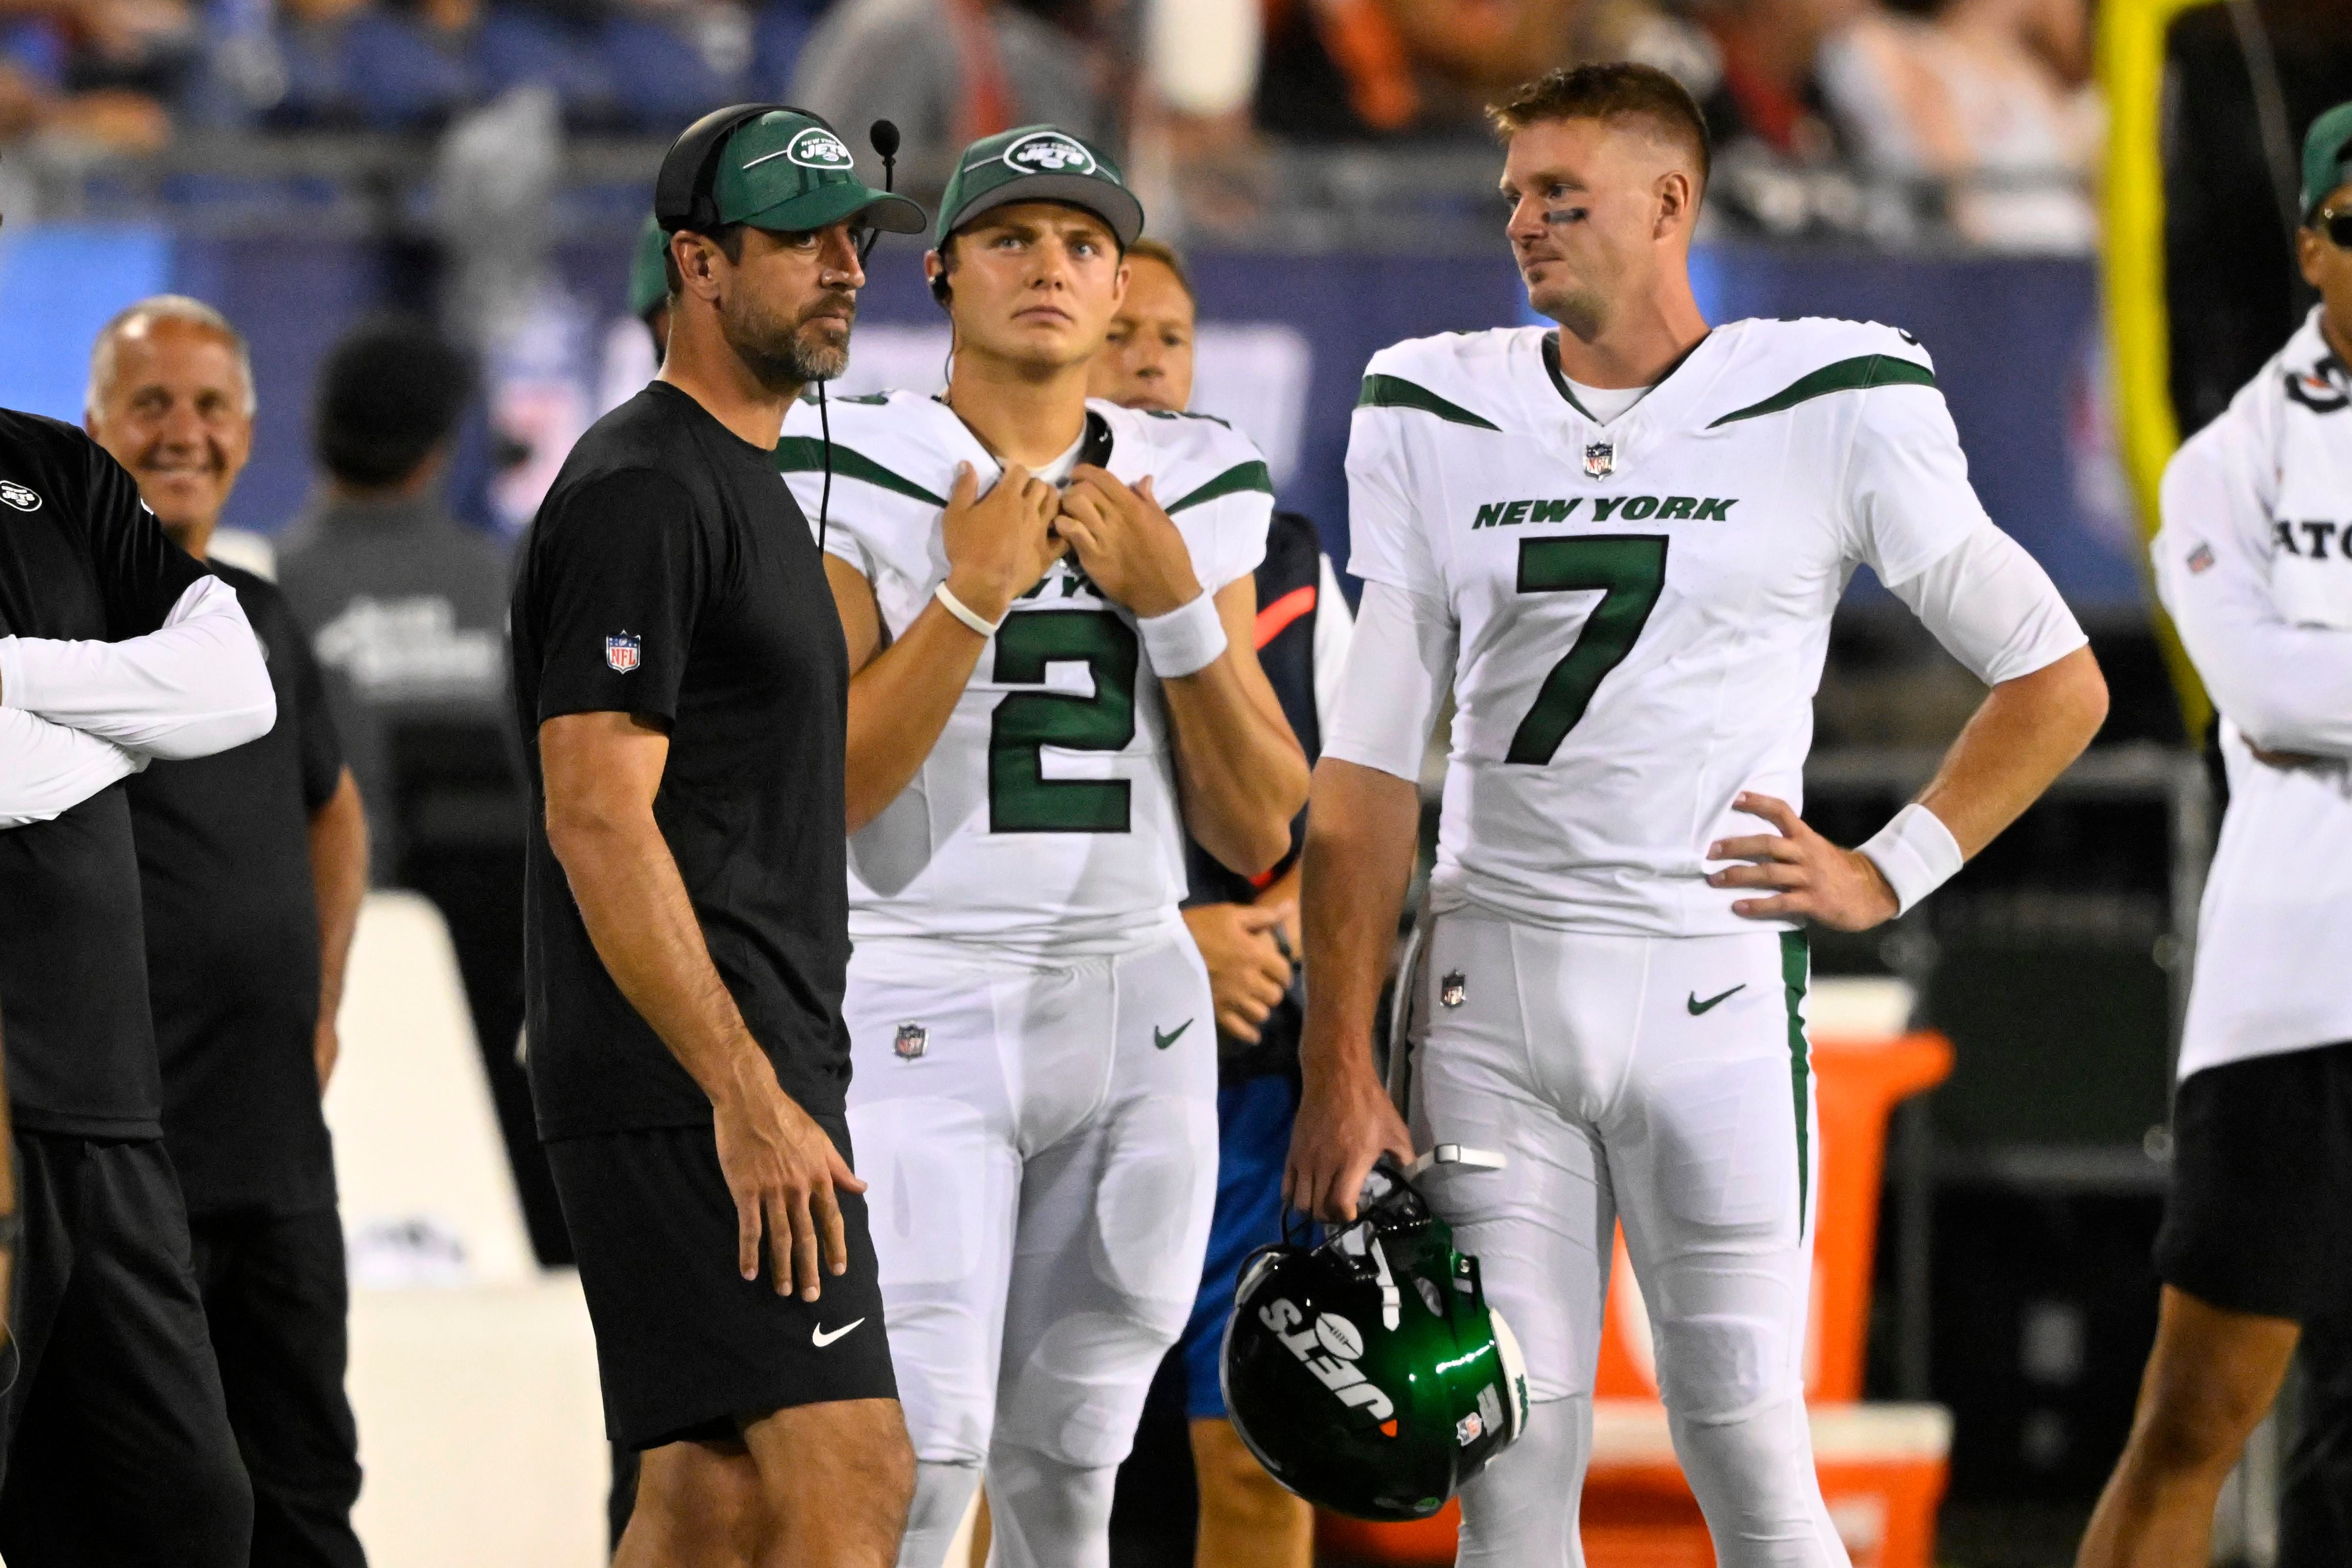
783, 356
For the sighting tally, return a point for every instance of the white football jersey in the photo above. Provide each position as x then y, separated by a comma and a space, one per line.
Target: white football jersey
1642, 608
1044, 819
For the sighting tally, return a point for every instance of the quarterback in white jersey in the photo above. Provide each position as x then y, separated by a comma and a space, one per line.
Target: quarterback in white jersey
1048, 603
1619, 546
2255, 1252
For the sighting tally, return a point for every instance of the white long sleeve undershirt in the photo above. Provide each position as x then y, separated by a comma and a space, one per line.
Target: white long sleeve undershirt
195, 686
46, 770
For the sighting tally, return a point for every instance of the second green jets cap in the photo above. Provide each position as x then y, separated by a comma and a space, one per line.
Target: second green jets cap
1037, 164
648, 278
2326, 156
791, 174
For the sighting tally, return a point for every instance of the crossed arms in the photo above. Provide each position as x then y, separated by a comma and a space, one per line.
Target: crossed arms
74, 716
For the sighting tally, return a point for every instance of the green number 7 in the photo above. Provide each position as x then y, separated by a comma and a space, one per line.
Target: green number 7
1630, 570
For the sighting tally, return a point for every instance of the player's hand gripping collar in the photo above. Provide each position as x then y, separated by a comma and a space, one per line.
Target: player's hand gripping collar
1128, 544
998, 544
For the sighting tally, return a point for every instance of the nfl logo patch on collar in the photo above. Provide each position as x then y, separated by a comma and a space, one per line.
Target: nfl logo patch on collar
1452, 990
1600, 458
913, 1042
621, 653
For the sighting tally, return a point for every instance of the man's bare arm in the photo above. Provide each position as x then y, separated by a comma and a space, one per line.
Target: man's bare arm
2026, 732
902, 692
339, 875
1243, 773
1362, 827
601, 771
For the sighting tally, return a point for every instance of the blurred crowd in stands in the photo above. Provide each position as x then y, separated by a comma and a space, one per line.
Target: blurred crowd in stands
1877, 118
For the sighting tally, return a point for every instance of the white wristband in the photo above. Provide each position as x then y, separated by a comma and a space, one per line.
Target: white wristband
1915, 853
965, 613
1184, 641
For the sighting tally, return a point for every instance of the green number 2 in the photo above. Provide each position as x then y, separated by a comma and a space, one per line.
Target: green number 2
1021, 798
1630, 570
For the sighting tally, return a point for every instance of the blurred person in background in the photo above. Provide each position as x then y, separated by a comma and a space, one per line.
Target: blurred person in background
2255, 1253
1246, 929
95, 72
1342, 70
948, 72
1991, 97
254, 861
405, 608
117, 648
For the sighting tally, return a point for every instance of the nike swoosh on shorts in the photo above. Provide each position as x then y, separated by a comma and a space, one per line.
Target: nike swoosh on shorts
820, 1337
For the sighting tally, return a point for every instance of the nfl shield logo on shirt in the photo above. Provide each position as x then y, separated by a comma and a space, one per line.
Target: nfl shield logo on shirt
913, 1042
1600, 458
621, 653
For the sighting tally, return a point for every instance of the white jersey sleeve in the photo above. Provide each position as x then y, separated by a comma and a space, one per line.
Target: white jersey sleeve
2288, 687
1993, 607
1386, 540
1399, 668
1906, 482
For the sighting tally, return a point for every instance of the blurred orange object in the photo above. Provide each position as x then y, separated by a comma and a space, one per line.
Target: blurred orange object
1882, 1466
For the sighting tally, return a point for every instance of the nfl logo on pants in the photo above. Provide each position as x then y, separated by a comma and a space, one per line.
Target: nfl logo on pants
621, 652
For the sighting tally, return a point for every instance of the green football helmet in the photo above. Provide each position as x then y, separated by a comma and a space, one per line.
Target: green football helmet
1367, 1374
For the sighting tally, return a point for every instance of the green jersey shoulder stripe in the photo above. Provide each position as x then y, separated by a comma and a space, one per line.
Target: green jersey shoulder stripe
1395, 392
805, 455
1857, 375
1241, 477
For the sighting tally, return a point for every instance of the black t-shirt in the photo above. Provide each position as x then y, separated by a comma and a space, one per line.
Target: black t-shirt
80, 557
232, 920
669, 573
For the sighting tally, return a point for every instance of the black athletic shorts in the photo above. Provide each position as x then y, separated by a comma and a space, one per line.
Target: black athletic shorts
2260, 1216
686, 1346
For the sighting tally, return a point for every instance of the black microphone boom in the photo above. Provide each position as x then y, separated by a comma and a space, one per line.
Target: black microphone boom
885, 137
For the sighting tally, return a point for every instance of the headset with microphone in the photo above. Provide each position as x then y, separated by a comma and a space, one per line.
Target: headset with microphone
685, 199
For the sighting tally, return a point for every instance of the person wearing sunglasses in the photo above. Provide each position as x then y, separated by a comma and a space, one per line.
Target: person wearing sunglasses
2255, 562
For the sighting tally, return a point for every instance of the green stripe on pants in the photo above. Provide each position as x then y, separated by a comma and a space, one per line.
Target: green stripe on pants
1796, 965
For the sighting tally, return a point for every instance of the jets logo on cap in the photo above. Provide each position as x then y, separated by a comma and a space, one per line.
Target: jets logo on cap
19, 496
1049, 153
817, 148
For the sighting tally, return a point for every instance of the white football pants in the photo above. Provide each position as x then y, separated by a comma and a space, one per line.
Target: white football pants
1040, 1143
1666, 1082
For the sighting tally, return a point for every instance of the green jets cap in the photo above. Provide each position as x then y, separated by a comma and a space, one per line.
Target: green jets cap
648, 278
1037, 164
791, 174
2326, 157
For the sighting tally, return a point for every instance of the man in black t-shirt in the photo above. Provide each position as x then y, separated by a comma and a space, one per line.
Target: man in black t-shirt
682, 685
116, 647
254, 862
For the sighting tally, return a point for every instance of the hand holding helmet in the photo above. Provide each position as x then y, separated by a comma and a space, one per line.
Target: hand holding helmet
1368, 1374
